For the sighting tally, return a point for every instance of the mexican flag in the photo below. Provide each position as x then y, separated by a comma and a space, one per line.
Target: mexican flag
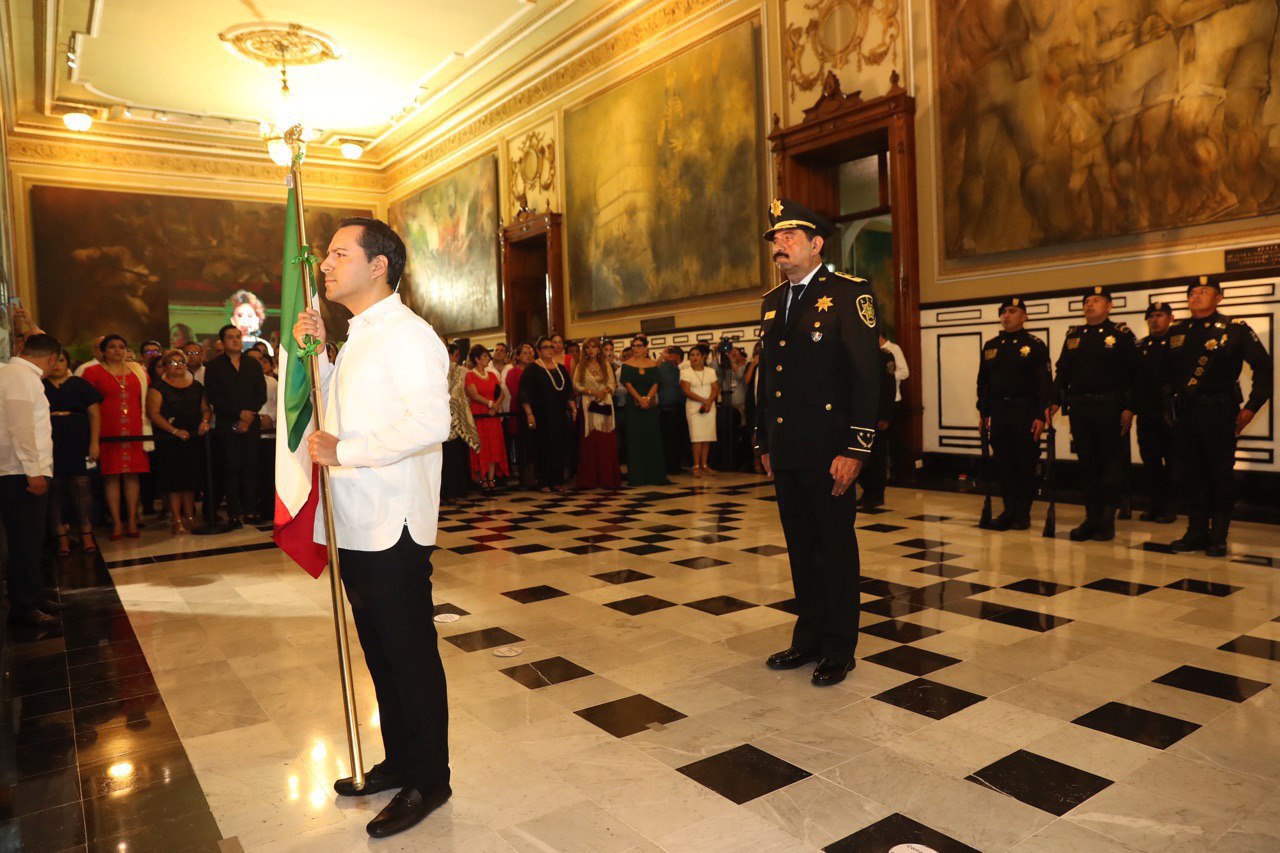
297, 477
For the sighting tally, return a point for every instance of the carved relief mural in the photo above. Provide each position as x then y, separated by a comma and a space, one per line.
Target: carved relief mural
531, 171
1102, 118
859, 40
450, 228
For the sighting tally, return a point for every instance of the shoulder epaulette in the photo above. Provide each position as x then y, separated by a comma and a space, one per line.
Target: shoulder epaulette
1037, 340
1122, 327
852, 277
775, 287
1073, 330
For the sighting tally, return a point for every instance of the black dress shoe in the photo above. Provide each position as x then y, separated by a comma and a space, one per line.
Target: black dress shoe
1022, 522
35, 619
790, 659
1001, 522
1166, 518
406, 809
1187, 544
1215, 549
1083, 532
829, 671
375, 780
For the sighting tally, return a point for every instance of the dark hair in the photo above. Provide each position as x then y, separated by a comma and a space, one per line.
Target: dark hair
154, 343
378, 238
640, 337
102, 346
41, 344
262, 347
222, 333
537, 347
193, 343
676, 351
702, 348
477, 351
452, 347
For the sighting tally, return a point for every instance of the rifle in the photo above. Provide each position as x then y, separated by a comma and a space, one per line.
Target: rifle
985, 520
1126, 489
1051, 456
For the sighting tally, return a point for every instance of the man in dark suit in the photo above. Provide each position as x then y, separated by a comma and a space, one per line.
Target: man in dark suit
1155, 432
820, 375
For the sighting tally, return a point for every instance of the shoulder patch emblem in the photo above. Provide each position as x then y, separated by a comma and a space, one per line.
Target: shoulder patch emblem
769, 315
988, 354
1175, 341
851, 277
1073, 343
867, 309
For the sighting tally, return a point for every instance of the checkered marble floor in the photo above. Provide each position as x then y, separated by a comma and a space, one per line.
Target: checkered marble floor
1011, 693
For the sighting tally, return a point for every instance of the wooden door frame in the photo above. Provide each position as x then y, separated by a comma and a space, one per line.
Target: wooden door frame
535, 226
838, 125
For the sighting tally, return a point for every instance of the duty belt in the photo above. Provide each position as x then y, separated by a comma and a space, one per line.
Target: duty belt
1111, 397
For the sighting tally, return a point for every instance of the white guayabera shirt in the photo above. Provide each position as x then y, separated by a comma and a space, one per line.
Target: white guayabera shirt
387, 401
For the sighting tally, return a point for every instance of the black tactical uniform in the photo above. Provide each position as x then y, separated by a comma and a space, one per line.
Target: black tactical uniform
1155, 432
820, 374
1094, 385
1014, 387
875, 471
1205, 357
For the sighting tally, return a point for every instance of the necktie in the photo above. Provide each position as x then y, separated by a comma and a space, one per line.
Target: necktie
797, 290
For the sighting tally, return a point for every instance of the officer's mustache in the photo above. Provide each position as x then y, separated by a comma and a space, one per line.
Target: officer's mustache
778, 255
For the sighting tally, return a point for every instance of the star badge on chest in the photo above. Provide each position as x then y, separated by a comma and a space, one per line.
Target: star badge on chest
824, 303
1025, 351
1110, 341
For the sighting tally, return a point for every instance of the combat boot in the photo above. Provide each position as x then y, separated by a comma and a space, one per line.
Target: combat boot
1216, 544
1105, 530
1087, 527
1196, 537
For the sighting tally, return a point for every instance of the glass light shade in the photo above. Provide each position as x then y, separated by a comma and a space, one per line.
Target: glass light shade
279, 152
79, 122
352, 151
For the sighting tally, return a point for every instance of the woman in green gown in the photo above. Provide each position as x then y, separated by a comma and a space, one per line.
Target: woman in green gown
646, 464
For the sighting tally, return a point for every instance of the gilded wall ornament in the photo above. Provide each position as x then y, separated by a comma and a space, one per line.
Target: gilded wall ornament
839, 33
531, 168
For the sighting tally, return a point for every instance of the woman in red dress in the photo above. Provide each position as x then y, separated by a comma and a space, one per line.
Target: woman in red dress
594, 382
484, 389
123, 386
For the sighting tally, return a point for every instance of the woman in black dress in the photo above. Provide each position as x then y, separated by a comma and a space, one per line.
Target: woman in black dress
76, 415
546, 396
180, 416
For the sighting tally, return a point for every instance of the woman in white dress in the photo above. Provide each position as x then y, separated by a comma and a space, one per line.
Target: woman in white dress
698, 381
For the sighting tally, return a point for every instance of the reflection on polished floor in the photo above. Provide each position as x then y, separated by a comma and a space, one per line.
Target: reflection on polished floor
1012, 692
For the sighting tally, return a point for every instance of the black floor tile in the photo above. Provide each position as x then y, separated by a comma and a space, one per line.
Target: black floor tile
43, 704
874, 510
1120, 587
1041, 782
1030, 620
122, 815
701, 562
1221, 590
623, 717
534, 593
744, 773
582, 550
931, 556
528, 548
622, 576
891, 607
896, 831
38, 759
926, 544
557, 528
485, 638
928, 518
766, 550
654, 538
95, 692
133, 770
719, 605
1258, 647
50, 727
942, 570
640, 604
900, 632
1258, 560
1036, 587
645, 549
711, 538
881, 527
490, 537
472, 549
883, 588
544, 673
975, 609
40, 680
1137, 724
912, 660
195, 831
1211, 683
662, 528
929, 698
57, 828
597, 538
145, 729
787, 606
39, 792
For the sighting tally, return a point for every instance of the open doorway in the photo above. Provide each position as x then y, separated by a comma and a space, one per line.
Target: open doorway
532, 278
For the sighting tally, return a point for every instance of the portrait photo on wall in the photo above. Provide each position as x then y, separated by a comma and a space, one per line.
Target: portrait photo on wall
163, 267
450, 230
1063, 122
664, 180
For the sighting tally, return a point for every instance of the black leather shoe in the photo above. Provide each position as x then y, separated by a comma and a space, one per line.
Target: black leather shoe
34, 619
790, 659
829, 672
1022, 522
1083, 532
406, 810
1003, 521
1166, 518
376, 780
1187, 544
1215, 549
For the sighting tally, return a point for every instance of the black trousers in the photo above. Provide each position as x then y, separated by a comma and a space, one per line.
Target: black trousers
238, 469
1015, 451
823, 549
1095, 429
1205, 438
675, 436
1155, 446
390, 593
875, 470
24, 516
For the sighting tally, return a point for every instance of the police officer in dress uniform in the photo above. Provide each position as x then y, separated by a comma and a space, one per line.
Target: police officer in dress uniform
1014, 386
1155, 433
1094, 386
1206, 353
819, 388
875, 471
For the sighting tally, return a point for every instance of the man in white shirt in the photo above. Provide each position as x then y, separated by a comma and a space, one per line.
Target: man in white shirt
901, 369
386, 417
26, 464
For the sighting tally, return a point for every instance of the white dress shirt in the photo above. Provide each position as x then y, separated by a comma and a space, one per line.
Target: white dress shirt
26, 435
901, 370
82, 368
387, 401
269, 407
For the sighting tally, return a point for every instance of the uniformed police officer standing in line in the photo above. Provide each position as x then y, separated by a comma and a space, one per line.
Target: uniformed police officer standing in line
1014, 387
874, 475
1206, 353
1155, 431
1094, 386
816, 424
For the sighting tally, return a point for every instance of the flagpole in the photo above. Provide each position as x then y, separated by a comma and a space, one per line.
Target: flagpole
294, 138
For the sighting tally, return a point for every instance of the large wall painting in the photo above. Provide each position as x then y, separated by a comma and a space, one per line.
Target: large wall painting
130, 263
451, 231
664, 180
1063, 122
